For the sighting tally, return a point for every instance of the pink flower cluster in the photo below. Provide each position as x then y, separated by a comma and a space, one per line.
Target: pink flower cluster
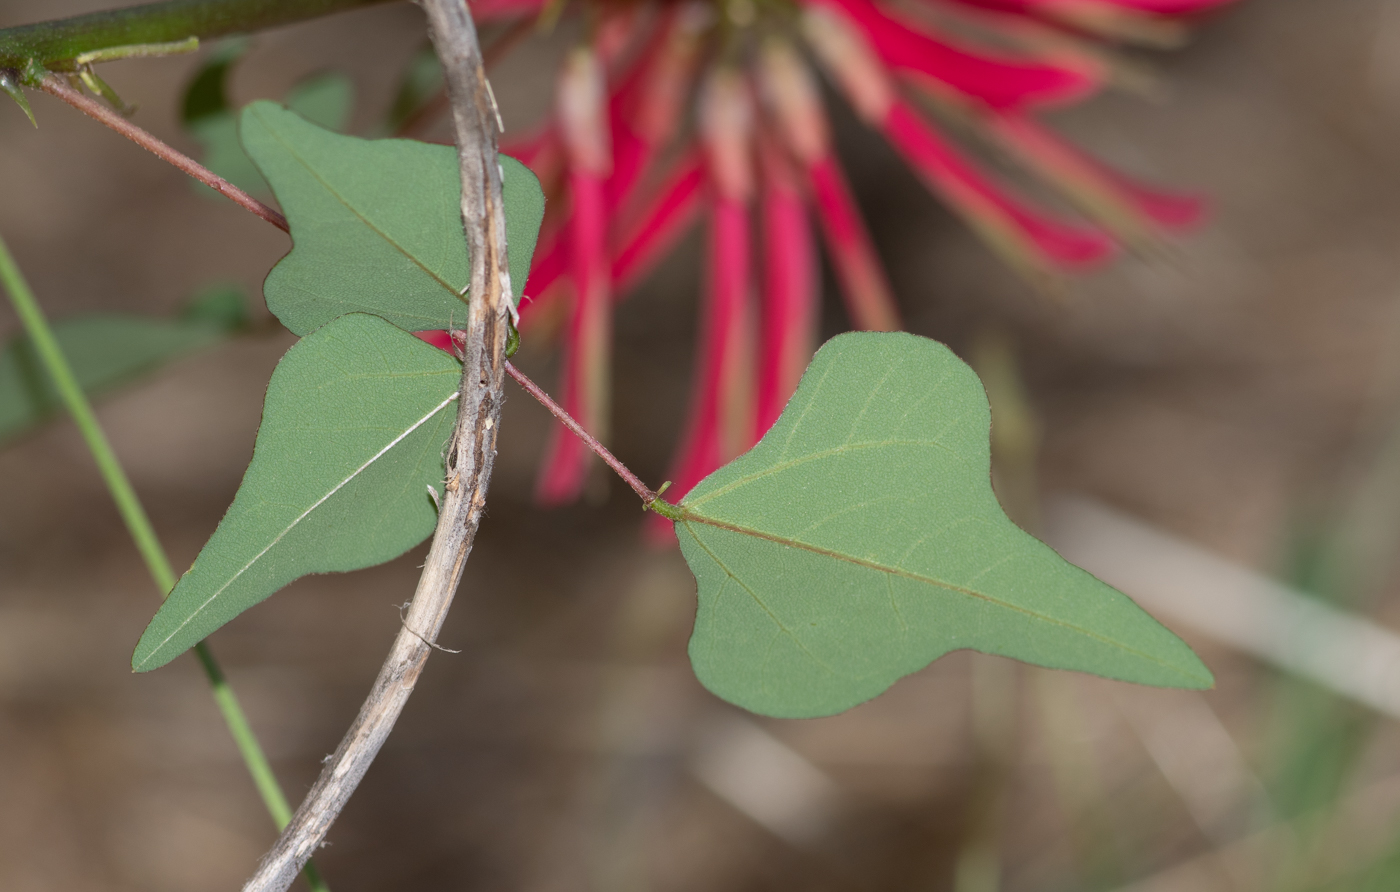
628, 167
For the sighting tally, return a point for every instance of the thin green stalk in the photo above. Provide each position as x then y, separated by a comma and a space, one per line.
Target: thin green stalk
142, 533
151, 28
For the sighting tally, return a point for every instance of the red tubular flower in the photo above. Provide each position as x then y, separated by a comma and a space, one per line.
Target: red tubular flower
869, 298
789, 320
1026, 237
1144, 21
721, 420
1128, 208
646, 109
626, 177
997, 82
791, 94
495, 10
1054, 8
660, 223
589, 339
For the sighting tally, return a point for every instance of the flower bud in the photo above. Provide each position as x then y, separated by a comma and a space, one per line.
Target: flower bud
851, 62
726, 127
790, 92
581, 105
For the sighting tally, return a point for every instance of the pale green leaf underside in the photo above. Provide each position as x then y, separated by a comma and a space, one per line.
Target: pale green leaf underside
354, 425
376, 224
105, 351
860, 540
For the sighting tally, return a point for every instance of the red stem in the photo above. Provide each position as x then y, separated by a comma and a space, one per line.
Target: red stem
54, 86
640, 488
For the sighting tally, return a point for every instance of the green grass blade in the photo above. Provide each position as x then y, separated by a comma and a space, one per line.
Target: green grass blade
57, 367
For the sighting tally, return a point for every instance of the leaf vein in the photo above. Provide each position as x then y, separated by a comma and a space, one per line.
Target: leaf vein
299, 518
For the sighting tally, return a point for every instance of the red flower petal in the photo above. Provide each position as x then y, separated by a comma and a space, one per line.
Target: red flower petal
660, 224
791, 93
869, 298
1053, 7
720, 421
439, 339
495, 10
789, 313
1001, 83
1027, 236
720, 424
588, 341
587, 344
1118, 200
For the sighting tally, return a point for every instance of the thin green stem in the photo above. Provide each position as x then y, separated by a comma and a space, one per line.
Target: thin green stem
143, 30
142, 533
56, 364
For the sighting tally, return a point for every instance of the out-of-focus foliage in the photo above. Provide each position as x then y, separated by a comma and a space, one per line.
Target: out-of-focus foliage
107, 350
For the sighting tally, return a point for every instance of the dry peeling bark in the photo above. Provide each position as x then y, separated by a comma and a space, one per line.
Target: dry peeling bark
470, 457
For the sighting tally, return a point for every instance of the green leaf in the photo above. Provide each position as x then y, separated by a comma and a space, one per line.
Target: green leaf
207, 93
376, 224
324, 99
108, 350
421, 81
353, 429
860, 540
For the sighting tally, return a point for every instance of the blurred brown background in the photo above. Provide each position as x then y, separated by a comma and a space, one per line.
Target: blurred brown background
1227, 396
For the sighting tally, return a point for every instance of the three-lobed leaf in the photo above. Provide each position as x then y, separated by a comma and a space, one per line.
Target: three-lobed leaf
376, 224
107, 350
354, 425
860, 540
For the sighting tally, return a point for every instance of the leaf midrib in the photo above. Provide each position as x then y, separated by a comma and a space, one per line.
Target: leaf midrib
811, 457
299, 518
687, 515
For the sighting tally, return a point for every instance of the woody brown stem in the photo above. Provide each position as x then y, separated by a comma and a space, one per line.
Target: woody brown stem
471, 454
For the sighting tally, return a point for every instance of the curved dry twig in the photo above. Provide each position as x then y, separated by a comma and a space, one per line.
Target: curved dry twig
470, 457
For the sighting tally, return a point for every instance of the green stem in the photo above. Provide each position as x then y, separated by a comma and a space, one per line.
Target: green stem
54, 43
142, 533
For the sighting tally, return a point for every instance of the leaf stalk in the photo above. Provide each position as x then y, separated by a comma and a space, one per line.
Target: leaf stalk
650, 500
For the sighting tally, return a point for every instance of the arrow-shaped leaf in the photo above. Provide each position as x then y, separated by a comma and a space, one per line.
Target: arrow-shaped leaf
353, 430
376, 224
860, 540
